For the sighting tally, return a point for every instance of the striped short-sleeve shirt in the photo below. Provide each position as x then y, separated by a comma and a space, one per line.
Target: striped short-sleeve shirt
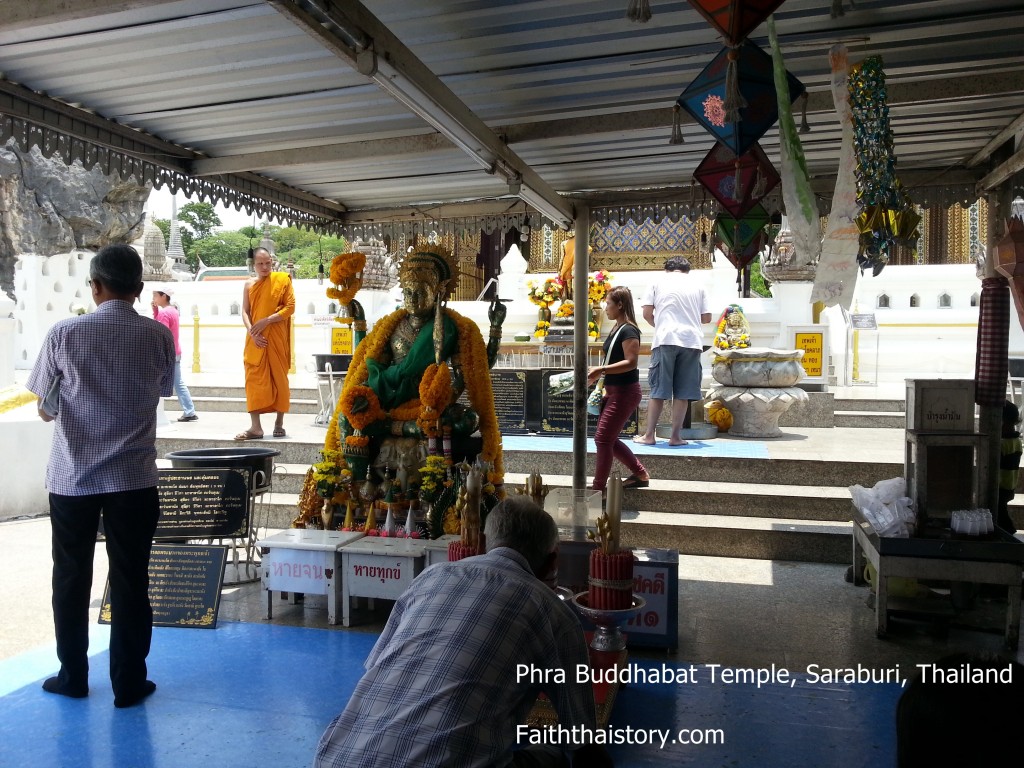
114, 366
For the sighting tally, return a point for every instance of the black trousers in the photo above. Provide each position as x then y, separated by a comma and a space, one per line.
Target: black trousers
129, 521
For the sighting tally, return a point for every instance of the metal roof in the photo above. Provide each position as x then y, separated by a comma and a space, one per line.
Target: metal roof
264, 98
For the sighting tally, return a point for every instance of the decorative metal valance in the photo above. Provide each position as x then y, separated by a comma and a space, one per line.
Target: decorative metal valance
73, 135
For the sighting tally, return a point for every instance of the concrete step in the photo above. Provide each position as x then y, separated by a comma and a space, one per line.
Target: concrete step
238, 392
750, 537
208, 404
870, 404
681, 496
749, 472
870, 419
739, 504
776, 538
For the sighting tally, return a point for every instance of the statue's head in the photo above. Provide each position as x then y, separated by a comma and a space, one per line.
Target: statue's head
427, 275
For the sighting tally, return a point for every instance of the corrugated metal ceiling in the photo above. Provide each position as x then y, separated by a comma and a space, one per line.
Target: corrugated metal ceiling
583, 94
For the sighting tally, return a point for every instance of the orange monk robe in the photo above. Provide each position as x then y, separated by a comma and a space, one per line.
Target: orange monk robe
266, 370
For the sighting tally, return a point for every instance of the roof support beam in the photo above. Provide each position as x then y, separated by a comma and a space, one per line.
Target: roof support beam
352, 32
1002, 172
355, 150
1001, 138
627, 123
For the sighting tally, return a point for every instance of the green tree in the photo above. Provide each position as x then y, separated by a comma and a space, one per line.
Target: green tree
200, 218
758, 285
222, 249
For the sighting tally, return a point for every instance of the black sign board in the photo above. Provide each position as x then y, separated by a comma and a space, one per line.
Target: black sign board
203, 503
510, 400
557, 412
184, 586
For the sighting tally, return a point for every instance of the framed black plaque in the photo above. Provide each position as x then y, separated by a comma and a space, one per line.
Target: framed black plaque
203, 503
510, 400
184, 586
557, 412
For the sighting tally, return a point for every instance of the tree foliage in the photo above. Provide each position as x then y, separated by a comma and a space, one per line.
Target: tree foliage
200, 218
224, 248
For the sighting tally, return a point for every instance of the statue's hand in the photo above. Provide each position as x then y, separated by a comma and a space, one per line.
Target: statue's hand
496, 313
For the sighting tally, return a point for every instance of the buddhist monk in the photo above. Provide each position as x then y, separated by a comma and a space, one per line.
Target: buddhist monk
268, 302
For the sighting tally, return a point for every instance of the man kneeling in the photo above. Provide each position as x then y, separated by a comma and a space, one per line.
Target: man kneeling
444, 686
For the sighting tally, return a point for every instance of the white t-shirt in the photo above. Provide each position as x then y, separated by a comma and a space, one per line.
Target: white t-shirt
678, 300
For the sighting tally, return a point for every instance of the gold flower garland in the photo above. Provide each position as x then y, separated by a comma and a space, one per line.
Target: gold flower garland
435, 395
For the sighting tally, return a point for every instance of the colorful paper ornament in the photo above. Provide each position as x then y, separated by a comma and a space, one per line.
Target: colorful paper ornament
887, 216
737, 183
736, 233
742, 258
735, 19
705, 98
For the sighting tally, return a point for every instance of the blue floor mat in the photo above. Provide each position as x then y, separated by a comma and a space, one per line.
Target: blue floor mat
717, 448
261, 695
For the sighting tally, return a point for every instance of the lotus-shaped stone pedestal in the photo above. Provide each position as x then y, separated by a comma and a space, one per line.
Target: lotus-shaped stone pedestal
756, 385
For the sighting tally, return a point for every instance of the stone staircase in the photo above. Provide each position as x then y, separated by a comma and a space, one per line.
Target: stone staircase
886, 414
781, 509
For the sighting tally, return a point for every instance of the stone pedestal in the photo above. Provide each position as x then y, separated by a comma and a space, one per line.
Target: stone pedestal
757, 386
756, 410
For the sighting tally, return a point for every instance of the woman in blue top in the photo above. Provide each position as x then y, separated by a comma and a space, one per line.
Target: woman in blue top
622, 387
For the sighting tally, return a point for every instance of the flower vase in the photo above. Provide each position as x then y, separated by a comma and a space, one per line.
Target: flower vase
327, 516
543, 322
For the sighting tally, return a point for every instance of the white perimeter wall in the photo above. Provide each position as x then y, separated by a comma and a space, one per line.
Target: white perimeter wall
921, 342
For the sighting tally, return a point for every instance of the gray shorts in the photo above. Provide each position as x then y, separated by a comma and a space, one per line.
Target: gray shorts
674, 373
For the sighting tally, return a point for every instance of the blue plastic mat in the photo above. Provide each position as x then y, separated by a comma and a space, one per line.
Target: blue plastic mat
717, 448
260, 694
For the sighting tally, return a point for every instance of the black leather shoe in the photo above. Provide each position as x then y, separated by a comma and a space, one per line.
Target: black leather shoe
193, 417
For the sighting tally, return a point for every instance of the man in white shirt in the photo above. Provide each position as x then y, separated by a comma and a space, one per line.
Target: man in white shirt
677, 307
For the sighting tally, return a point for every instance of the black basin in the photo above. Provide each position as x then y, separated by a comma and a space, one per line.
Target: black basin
339, 363
259, 460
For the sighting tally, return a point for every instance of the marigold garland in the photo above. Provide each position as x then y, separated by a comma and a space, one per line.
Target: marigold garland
364, 418
475, 371
346, 273
435, 396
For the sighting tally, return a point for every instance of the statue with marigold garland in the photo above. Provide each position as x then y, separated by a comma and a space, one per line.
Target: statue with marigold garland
399, 403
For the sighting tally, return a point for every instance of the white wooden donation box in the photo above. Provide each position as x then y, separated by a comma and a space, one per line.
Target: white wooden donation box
304, 561
378, 566
436, 550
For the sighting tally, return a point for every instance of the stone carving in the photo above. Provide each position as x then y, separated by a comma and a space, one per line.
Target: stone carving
47, 207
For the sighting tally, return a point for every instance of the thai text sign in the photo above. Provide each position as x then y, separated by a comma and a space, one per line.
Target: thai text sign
201, 503
813, 345
184, 586
383, 576
341, 341
299, 570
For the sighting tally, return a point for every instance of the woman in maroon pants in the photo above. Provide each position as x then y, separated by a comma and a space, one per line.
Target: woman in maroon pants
622, 387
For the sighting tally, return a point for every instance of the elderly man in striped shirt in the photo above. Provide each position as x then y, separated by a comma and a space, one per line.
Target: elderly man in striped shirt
100, 376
